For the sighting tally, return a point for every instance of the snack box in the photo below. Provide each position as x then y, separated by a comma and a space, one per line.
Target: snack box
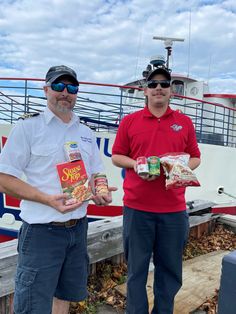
74, 181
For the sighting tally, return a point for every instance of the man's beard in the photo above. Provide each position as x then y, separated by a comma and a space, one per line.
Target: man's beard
63, 109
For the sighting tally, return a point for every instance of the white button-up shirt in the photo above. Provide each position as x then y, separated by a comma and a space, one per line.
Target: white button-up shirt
34, 148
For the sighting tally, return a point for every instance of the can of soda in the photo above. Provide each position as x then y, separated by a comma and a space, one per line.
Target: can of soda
100, 184
142, 166
154, 165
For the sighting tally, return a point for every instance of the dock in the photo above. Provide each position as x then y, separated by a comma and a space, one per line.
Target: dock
201, 278
105, 243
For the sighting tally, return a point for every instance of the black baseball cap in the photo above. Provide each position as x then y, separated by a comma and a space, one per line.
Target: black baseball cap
162, 71
60, 70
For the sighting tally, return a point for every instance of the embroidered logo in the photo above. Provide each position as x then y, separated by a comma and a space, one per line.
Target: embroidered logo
176, 127
86, 139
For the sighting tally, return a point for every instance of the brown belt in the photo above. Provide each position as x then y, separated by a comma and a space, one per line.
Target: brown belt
67, 224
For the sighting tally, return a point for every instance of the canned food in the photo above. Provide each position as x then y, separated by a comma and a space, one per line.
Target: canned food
154, 165
100, 184
142, 166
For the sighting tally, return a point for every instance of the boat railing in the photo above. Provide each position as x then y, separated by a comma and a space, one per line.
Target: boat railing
102, 106
214, 123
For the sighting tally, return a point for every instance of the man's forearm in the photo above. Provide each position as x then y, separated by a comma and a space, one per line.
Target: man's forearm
194, 163
20, 189
123, 161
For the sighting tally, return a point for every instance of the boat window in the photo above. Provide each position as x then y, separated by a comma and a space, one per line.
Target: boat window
178, 87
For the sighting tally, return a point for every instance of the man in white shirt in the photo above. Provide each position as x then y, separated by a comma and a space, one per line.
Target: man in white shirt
53, 260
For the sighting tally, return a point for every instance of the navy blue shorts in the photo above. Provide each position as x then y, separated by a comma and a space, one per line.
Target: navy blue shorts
52, 261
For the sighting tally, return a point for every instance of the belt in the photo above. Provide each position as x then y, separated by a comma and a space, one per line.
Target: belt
67, 224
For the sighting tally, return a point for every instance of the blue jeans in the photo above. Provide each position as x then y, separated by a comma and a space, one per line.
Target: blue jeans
52, 261
164, 236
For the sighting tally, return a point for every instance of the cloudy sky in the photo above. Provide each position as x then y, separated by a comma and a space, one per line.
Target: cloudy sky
111, 41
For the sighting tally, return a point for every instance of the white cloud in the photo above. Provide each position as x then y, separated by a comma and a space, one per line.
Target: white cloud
111, 41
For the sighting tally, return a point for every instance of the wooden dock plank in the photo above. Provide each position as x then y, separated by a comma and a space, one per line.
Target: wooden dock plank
201, 276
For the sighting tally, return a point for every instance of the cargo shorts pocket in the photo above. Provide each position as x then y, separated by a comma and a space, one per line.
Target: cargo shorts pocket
23, 290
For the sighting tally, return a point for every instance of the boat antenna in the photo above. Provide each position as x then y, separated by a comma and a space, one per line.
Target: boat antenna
138, 52
168, 42
189, 42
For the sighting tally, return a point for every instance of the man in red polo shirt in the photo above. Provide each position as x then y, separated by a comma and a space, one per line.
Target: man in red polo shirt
155, 219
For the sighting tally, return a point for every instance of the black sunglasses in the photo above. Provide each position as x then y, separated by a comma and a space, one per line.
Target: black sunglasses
154, 83
59, 87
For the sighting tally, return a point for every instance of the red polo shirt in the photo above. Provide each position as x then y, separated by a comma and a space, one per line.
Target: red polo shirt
143, 134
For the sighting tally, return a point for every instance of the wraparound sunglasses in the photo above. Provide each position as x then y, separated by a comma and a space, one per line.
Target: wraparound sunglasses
59, 87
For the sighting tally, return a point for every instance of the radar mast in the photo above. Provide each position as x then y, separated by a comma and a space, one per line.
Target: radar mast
168, 42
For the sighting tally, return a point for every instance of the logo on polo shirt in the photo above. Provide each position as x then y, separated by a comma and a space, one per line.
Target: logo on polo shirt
176, 127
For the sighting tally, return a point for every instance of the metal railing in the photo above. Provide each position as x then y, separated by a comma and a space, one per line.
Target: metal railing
102, 106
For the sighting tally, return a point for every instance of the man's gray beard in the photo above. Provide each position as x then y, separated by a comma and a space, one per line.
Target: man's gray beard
63, 109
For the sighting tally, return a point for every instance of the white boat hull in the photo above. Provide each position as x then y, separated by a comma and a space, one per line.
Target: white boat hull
216, 170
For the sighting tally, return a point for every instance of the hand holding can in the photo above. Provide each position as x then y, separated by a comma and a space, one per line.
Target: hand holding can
148, 168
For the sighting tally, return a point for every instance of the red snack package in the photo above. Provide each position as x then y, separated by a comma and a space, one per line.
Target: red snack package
177, 172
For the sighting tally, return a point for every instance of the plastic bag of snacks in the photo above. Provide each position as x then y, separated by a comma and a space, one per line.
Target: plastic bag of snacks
177, 172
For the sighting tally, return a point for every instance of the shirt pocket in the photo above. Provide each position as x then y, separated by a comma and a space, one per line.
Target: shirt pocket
46, 155
44, 150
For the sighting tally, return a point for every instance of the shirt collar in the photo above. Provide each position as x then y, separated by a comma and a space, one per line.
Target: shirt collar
49, 115
148, 114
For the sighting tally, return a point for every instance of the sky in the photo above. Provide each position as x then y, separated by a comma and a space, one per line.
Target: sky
110, 41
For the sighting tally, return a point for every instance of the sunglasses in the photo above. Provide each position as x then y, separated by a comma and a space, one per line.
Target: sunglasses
59, 87
153, 83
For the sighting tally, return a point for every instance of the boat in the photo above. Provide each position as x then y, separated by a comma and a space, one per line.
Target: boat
102, 106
